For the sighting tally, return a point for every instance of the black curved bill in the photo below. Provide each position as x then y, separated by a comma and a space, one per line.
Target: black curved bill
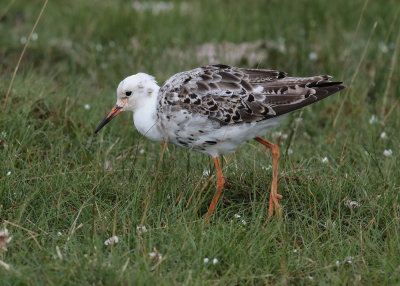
114, 112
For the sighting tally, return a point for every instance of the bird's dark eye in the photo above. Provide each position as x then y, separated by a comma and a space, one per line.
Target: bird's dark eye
128, 93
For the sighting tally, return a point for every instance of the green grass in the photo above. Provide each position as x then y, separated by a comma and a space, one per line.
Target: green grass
65, 179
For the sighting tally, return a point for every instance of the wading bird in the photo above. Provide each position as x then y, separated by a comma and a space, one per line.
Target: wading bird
214, 109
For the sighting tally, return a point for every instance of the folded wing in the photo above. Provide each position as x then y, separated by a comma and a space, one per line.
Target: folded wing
231, 95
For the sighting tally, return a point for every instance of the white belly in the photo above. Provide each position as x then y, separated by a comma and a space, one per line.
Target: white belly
201, 134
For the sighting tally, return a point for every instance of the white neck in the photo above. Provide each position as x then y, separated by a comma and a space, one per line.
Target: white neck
145, 117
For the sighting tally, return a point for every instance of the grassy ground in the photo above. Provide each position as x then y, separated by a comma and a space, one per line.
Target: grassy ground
64, 191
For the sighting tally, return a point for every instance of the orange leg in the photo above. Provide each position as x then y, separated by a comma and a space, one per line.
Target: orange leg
274, 196
220, 186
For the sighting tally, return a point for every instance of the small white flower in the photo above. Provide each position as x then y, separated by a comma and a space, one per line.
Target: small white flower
383, 48
206, 172
373, 119
388, 152
310, 278
243, 221
8, 173
155, 255
142, 228
59, 233
349, 259
141, 151
290, 151
266, 168
23, 40
3, 134
35, 36
206, 260
155, 7
215, 261
87, 106
112, 240
284, 136
4, 239
352, 204
295, 250
276, 134
325, 160
383, 135
238, 216
99, 47
337, 263
313, 56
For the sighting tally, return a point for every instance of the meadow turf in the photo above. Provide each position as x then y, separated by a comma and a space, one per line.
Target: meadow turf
64, 190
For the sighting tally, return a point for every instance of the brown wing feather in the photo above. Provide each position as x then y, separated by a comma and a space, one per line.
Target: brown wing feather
231, 95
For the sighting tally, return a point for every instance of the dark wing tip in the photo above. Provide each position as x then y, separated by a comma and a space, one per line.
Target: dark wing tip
326, 84
322, 89
281, 75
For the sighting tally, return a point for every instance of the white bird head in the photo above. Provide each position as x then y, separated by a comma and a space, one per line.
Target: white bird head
132, 93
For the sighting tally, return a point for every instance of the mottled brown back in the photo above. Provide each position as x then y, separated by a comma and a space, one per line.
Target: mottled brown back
231, 95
